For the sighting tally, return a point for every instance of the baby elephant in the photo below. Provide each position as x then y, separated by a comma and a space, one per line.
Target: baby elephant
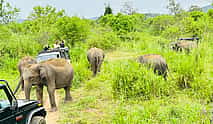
157, 62
95, 57
183, 45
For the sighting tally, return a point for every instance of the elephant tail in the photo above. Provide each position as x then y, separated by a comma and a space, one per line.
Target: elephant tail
18, 86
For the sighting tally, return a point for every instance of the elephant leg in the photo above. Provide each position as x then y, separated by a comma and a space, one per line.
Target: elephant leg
51, 92
22, 83
99, 67
67, 94
39, 94
94, 69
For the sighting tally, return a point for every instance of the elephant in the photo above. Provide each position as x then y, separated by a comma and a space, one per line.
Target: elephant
52, 73
183, 45
24, 62
95, 56
155, 61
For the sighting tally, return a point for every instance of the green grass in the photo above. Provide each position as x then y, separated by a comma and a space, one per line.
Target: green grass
152, 100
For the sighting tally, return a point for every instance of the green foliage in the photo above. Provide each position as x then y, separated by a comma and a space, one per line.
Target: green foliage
5, 33
19, 46
130, 79
42, 19
166, 111
103, 38
140, 96
7, 12
172, 33
196, 15
161, 23
119, 23
72, 29
210, 13
80, 65
48, 13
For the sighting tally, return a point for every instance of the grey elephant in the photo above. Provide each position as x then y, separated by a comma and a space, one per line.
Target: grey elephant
155, 61
54, 74
95, 56
23, 63
183, 45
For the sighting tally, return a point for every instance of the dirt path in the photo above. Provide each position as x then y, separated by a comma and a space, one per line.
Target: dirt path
113, 56
51, 117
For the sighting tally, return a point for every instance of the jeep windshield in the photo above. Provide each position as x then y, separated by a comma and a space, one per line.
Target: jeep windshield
4, 102
46, 56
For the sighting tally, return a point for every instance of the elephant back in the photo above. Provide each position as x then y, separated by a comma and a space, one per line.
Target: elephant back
183, 45
56, 62
95, 53
151, 59
155, 61
187, 44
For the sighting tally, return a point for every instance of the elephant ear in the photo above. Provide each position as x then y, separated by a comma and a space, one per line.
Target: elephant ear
42, 73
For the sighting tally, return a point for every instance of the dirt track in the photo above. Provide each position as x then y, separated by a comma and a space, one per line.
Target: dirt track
51, 117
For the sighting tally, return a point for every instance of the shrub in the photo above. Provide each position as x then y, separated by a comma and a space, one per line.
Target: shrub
102, 38
72, 29
168, 111
130, 79
172, 33
80, 65
120, 23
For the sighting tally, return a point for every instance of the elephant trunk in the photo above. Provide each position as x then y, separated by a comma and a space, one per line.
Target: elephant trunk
27, 89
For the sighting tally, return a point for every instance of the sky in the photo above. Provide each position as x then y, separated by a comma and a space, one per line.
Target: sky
95, 8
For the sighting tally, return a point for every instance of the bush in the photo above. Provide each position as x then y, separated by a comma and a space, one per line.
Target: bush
72, 29
105, 39
172, 33
130, 79
80, 65
169, 111
160, 23
120, 23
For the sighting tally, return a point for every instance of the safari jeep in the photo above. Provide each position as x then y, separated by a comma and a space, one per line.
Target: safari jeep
13, 111
54, 53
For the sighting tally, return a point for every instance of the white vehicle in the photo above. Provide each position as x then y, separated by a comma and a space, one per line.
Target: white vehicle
53, 53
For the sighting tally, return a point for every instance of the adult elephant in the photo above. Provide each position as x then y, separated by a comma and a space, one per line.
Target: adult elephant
53, 73
95, 57
183, 45
155, 61
23, 63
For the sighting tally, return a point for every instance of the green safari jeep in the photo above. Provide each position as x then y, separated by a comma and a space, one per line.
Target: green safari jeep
13, 111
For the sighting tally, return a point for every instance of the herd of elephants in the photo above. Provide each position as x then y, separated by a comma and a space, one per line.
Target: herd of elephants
58, 73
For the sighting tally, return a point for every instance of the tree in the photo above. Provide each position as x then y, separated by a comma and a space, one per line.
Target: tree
195, 8
7, 12
48, 11
174, 7
108, 10
128, 8
72, 29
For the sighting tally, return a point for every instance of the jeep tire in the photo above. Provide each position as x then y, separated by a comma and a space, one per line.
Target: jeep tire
38, 120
